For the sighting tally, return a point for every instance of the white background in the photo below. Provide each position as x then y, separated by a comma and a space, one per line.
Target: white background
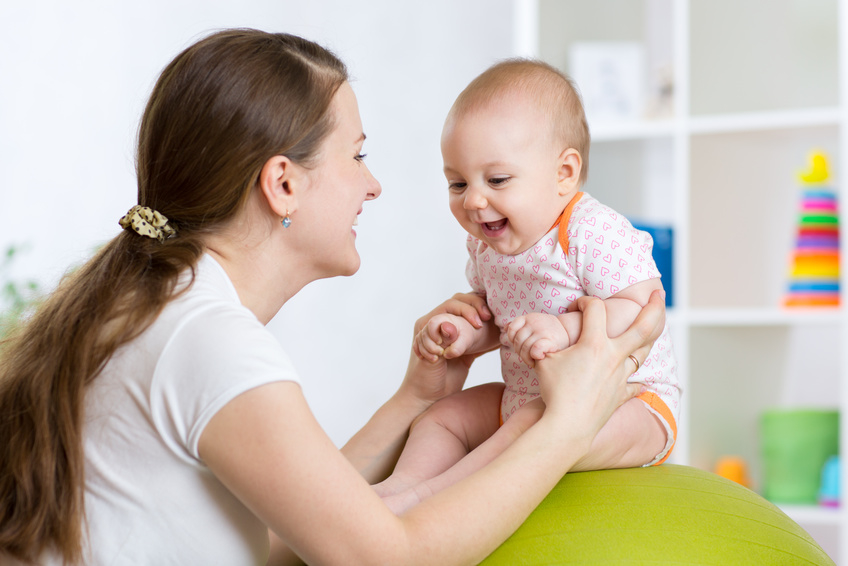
74, 77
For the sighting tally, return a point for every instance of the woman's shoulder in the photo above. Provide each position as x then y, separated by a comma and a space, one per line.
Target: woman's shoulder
207, 301
209, 322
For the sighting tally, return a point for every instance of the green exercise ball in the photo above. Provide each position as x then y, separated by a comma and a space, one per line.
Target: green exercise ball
666, 514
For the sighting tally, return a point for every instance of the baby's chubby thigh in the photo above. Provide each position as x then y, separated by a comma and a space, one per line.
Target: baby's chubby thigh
471, 415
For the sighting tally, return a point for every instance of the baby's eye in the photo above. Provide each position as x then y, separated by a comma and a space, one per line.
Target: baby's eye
497, 181
457, 186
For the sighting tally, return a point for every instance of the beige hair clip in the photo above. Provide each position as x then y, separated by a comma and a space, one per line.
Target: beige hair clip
147, 222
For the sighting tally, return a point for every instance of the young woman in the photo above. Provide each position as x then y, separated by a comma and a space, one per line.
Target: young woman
146, 414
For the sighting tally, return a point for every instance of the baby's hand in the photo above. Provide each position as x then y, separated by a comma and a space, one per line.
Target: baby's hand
444, 335
534, 335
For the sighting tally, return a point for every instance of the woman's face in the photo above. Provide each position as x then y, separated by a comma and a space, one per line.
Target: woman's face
341, 184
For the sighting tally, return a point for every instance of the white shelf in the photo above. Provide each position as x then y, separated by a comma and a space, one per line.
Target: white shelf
715, 124
721, 168
634, 130
813, 515
763, 316
764, 121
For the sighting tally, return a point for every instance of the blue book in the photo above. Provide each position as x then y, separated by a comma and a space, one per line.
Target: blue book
663, 255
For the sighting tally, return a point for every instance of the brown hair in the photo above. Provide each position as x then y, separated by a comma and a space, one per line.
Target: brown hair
218, 112
554, 92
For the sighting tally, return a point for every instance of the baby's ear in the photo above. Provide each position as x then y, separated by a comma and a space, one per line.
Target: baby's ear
568, 174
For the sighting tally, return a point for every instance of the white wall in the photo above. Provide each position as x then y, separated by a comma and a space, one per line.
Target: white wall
74, 77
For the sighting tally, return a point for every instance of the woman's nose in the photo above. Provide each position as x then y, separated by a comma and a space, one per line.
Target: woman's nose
374, 187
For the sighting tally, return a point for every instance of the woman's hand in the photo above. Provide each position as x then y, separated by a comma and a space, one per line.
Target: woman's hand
589, 379
470, 306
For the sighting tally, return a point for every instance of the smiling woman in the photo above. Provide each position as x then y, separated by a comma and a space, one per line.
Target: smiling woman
97, 350
324, 200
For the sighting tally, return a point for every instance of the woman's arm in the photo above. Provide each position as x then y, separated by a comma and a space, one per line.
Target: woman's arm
374, 450
268, 449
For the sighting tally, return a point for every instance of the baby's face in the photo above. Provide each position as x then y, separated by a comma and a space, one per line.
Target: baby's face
504, 174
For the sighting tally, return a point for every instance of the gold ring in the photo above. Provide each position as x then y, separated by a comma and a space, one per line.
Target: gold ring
635, 361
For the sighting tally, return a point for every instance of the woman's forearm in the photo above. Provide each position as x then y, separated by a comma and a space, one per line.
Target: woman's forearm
465, 522
375, 449
305, 498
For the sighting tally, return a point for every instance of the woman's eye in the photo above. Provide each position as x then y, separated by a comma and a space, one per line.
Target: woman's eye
361, 157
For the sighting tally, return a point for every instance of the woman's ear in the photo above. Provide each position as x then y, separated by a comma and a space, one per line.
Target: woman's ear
568, 174
280, 181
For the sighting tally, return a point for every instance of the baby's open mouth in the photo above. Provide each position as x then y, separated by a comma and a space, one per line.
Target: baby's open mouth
494, 227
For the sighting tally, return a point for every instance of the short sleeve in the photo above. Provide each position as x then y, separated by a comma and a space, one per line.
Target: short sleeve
609, 254
471, 272
211, 359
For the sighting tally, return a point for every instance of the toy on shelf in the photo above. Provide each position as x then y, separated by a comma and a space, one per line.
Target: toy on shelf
829, 491
796, 443
734, 469
814, 274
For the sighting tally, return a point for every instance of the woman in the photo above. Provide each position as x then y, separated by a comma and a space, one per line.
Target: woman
149, 417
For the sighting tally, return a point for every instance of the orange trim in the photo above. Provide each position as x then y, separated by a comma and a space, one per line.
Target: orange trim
562, 221
653, 401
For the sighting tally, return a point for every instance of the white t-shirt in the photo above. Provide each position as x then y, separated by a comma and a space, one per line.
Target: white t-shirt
149, 499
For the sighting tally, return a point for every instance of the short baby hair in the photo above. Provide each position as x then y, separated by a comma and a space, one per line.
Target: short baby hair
554, 92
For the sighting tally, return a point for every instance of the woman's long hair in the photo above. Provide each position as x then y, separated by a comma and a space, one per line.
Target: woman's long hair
218, 112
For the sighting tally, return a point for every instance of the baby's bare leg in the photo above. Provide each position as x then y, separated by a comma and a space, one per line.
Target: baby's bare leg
479, 457
443, 435
488, 450
631, 438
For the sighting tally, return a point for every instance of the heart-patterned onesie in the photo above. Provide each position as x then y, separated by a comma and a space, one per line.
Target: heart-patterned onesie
591, 250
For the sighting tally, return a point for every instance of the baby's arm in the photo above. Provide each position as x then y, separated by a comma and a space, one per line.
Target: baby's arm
622, 309
535, 334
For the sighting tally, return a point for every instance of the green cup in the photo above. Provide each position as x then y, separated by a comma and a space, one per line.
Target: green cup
795, 446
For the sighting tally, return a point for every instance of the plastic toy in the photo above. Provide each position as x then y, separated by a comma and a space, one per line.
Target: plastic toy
829, 492
795, 444
814, 275
733, 468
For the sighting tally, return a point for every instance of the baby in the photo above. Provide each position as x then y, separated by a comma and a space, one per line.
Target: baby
515, 147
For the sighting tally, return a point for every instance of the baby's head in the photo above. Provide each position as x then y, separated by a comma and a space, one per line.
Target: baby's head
514, 146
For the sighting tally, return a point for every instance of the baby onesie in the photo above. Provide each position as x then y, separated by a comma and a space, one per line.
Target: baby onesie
591, 250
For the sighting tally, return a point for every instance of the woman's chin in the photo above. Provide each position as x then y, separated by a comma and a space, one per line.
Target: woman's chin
351, 267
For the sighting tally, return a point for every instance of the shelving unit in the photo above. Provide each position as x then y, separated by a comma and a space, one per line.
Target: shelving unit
756, 86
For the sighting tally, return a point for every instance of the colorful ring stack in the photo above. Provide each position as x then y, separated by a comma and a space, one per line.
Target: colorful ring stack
814, 274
